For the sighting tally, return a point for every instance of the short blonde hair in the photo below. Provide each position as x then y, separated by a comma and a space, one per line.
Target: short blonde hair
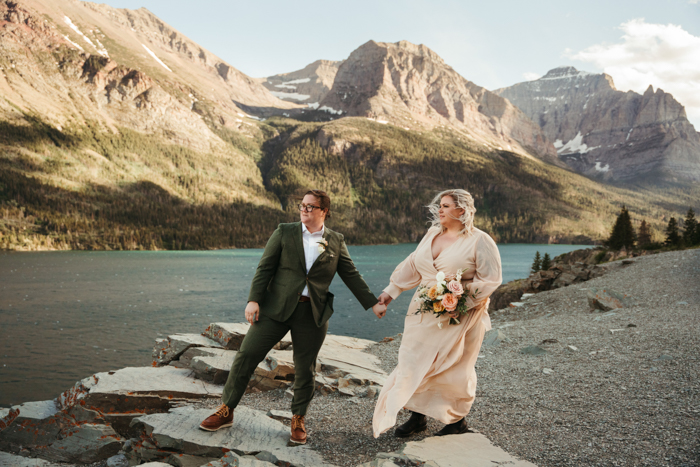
463, 200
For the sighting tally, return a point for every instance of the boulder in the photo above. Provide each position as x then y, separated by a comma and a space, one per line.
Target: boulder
118, 460
274, 372
494, 337
607, 299
252, 432
167, 350
506, 294
230, 335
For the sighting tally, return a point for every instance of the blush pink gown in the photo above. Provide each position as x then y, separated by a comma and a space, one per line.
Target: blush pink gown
435, 374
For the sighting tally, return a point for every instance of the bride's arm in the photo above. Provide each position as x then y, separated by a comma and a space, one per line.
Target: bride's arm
487, 277
405, 276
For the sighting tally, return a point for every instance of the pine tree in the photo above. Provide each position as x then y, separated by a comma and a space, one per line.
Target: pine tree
644, 235
546, 262
622, 234
673, 238
691, 227
537, 263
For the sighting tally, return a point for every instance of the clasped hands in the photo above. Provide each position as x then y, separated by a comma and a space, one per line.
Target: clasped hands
380, 308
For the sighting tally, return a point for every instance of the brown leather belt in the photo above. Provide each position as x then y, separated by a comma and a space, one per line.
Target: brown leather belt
304, 299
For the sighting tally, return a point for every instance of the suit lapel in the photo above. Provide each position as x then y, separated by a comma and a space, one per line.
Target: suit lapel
299, 245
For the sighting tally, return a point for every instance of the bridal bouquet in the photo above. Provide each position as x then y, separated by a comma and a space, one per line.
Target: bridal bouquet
446, 297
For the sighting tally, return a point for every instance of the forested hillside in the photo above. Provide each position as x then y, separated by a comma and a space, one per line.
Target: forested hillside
95, 190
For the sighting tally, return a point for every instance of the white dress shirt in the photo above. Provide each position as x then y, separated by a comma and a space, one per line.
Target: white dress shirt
311, 253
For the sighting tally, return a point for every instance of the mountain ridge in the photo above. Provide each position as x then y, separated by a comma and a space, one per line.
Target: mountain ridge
602, 132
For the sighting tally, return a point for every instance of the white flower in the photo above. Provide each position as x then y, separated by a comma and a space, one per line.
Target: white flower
321, 248
440, 277
458, 276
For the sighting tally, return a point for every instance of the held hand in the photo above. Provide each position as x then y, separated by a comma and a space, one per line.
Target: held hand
385, 298
379, 309
252, 312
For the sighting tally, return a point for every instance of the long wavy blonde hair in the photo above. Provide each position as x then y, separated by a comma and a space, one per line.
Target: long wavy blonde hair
463, 200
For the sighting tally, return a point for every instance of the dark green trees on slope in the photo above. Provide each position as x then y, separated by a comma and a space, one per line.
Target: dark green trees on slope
622, 234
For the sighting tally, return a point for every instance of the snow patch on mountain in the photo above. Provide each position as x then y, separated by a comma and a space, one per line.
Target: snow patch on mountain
574, 146
150, 52
100, 50
290, 95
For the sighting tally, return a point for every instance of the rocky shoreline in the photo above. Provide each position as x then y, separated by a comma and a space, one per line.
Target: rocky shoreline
560, 383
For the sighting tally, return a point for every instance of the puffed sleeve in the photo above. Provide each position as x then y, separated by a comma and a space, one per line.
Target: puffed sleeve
487, 277
406, 276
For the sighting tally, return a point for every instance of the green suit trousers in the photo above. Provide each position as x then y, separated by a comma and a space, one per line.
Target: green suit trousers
307, 339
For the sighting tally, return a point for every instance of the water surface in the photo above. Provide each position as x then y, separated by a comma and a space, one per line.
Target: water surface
66, 315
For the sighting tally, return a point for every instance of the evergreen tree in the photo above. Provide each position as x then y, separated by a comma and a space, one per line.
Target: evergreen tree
691, 227
673, 238
622, 234
546, 262
537, 263
644, 235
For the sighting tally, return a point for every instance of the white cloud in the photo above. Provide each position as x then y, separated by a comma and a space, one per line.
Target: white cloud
694, 2
665, 56
530, 76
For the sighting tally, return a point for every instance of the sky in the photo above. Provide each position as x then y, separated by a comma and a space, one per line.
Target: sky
491, 43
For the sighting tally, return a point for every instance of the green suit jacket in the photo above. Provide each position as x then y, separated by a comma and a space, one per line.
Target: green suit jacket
281, 275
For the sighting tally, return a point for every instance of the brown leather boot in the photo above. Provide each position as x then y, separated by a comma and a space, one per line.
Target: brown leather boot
298, 430
222, 418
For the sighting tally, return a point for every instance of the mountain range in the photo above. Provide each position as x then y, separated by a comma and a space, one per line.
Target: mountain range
117, 131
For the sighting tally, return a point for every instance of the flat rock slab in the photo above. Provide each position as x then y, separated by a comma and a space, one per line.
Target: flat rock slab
137, 390
84, 444
7, 459
230, 335
466, 450
31, 424
167, 350
274, 372
347, 342
251, 433
607, 299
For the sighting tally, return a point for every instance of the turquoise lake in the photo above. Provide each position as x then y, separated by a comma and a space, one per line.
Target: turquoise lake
67, 315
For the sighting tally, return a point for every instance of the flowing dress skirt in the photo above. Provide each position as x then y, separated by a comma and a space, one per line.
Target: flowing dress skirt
435, 374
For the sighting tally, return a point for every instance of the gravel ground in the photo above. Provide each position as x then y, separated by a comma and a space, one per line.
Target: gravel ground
628, 397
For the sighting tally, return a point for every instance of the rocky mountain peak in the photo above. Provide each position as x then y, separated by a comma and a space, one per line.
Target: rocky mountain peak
306, 86
602, 132
411, 86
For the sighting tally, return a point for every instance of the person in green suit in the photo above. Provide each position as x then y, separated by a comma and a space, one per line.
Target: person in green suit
289, 292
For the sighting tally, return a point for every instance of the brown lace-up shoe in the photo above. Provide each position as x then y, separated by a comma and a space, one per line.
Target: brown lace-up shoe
298, 430
222, 418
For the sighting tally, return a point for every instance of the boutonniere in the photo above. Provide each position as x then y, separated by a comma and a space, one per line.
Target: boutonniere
322, 245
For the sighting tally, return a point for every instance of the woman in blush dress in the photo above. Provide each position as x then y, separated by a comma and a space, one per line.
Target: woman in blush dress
435, 374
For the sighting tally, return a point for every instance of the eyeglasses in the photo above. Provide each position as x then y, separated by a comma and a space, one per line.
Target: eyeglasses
308, 207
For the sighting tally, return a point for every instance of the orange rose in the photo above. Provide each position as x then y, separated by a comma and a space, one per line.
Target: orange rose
437, 307
432, 293
449, 301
